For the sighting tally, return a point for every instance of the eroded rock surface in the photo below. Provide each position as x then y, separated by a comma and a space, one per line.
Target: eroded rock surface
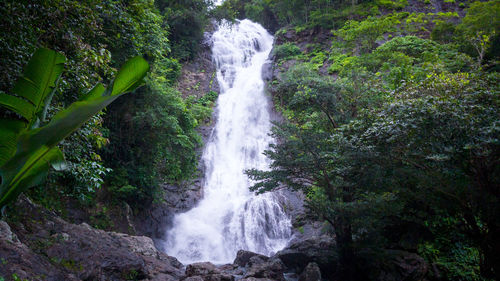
49, 248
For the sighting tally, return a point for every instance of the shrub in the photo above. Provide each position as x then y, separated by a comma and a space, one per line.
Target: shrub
286, 51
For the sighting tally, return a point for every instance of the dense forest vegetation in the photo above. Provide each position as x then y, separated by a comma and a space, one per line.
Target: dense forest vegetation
97, 37
391, 117
390, 127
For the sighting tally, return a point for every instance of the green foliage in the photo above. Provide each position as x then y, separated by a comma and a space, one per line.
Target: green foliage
17, 278
186, 21
101, 219
392, 4
229, 10
460, 262
164, 150
443, 32
86, 33
96, 37
202, 108
397, 150
286, 51
36, 147
480, 25
362, 35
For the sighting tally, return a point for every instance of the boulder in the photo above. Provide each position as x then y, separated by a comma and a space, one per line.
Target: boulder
243, 257
194, 278
404, 266
271, 269
201, 268
318, 249
6, 233
207, 272
50, 248
17, 258
311, 273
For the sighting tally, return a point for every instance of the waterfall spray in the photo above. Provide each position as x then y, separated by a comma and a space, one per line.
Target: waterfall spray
230, 217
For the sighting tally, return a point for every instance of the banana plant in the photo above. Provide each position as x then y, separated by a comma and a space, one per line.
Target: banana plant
28, 148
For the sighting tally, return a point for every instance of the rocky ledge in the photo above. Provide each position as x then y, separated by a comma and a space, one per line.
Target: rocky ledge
36, 244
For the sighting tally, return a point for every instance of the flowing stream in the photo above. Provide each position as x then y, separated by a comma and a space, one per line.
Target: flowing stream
230, 217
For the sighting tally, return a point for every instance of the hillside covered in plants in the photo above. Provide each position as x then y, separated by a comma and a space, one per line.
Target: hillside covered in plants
108, 153
388, 126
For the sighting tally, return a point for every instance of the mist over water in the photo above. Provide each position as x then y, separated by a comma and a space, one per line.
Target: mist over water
230, 217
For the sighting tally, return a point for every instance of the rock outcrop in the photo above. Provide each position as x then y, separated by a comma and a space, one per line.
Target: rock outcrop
319, 249
311, 273
38, 245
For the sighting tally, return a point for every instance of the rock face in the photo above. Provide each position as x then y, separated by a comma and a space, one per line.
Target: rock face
49, 248
404, 266
311, 273
319, 249
198, 76
156, 218
38, 245
206, 271
243, 257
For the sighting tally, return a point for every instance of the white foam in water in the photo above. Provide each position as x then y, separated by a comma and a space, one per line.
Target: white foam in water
230, 217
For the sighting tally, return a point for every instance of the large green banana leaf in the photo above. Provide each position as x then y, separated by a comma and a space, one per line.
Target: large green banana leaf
33, 91
30, 97
36, 146
9, 132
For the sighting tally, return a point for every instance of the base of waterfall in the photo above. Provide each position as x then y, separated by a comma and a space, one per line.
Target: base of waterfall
39, 245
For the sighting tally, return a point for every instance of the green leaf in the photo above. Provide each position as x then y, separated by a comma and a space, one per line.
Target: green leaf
37, 145
18, 105
35, 174
36, 85
130, 76
9, 132
96, 92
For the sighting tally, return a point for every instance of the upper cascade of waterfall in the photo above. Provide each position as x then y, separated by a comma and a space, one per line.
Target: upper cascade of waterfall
230, 217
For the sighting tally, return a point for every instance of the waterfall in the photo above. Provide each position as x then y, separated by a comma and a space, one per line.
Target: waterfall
230, 217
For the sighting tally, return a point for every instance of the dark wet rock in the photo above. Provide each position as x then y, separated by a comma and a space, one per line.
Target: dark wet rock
194, 278
272, 269
404, 266
243, 257
50, 248
156, 218
7, 234
267, 71
306, 38
207, 272
17, 258
319, 249
311, 273
201, 268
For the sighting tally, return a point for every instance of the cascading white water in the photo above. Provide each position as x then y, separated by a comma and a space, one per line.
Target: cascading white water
230, 217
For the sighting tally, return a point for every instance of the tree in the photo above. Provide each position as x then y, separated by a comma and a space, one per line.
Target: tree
480, 25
